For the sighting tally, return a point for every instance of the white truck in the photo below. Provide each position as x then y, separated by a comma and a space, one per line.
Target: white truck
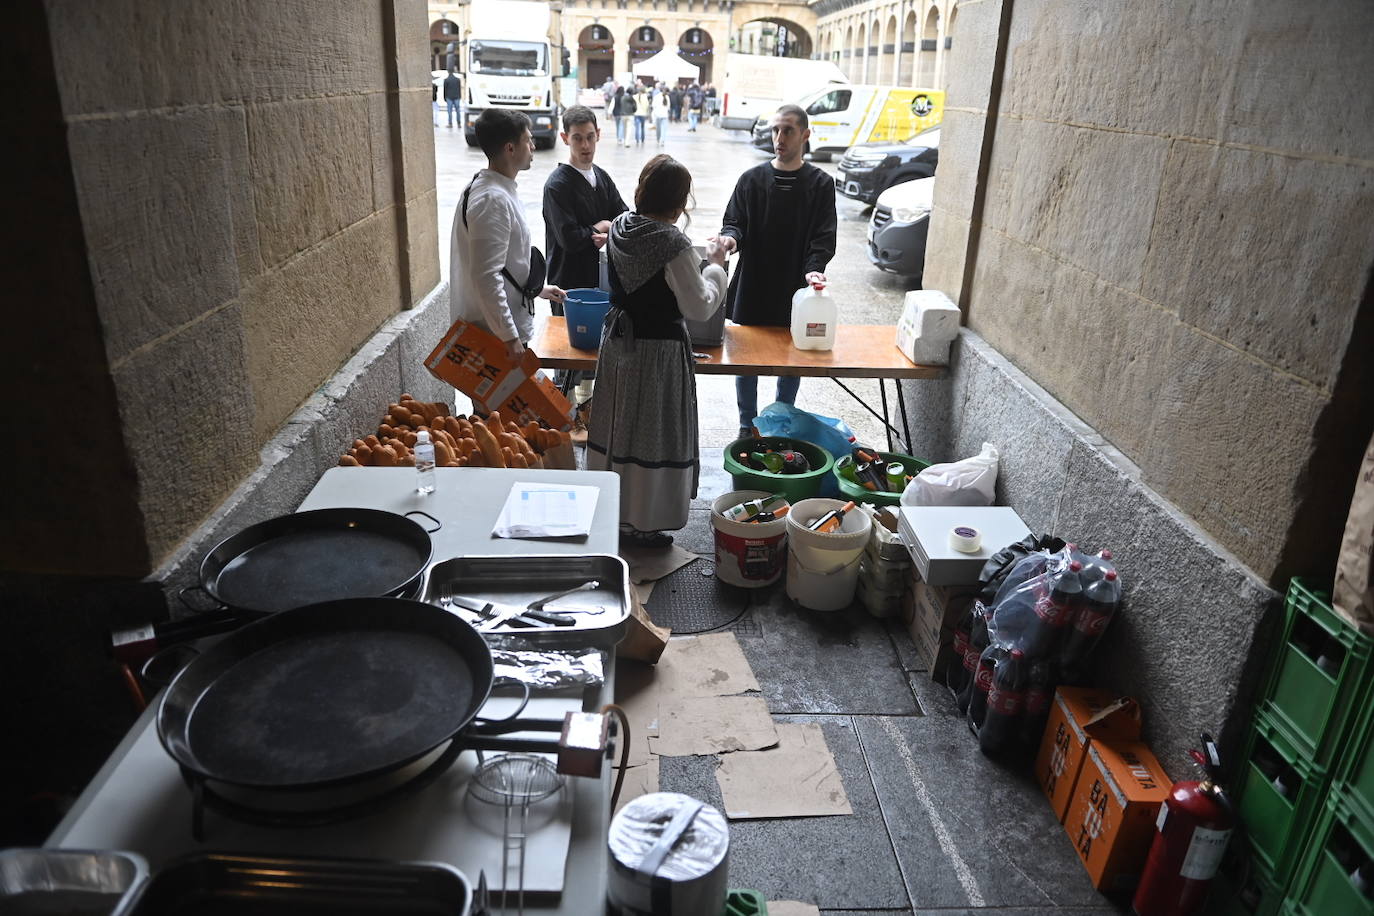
510, 59
756, 84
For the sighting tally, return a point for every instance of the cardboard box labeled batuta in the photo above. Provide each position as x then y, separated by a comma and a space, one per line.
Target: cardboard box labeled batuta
475, 362
1111, 818
936, 609
1079, 716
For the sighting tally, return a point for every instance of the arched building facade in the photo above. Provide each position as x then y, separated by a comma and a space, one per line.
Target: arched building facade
901, 42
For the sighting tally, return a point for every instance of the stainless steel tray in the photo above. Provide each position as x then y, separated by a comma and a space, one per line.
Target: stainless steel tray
518, 580
72, 882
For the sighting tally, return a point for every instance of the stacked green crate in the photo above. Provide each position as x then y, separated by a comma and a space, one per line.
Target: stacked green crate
1317, 679
1337, 873
1310, 702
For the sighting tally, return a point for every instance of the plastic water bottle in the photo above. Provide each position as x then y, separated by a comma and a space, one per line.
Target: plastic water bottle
814, 317
424, 463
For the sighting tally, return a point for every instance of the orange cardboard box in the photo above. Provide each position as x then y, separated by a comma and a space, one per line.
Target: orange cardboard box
1078, 716
475, 362
1111, 819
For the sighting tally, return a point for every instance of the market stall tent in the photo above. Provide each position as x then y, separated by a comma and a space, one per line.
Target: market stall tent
666, 66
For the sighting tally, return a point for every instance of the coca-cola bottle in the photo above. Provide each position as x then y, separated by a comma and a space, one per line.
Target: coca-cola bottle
1039, 696
1100, 601
1054, 611
977, 642
1001, 728
1095, 567
955, 673
982, 683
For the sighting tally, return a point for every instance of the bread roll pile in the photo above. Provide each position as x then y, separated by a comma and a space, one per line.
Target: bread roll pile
458, 441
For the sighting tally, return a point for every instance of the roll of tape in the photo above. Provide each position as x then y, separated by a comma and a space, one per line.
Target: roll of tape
965, 539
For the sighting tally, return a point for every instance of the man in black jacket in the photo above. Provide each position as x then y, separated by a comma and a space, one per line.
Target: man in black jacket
781, 220
580, 200
453, 97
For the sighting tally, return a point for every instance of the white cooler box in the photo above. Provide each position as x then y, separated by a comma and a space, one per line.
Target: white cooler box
925, 529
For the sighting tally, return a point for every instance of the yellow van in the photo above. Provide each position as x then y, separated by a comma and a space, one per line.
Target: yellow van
844, 115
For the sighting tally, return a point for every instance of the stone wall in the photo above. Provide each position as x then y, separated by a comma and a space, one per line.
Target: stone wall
1161, 214
1194, 618
248, 195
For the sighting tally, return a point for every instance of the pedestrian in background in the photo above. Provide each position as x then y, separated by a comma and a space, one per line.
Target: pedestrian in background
695, 97
781, 219
645, 424
641, 113
621, 107
660, 113
453, 97
495, 275
675, 102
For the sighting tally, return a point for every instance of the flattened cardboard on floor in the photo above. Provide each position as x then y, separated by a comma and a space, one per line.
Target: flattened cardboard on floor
792, 908
705, 666
651, 565
798, 778
640, 780
637, 694
689, 726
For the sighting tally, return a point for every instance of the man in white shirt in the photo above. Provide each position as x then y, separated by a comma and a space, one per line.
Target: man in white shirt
493, 281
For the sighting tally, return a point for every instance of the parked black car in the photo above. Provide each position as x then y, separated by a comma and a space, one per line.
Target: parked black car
869, 169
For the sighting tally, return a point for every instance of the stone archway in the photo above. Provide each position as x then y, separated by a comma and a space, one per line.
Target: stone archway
925, 70
949, 47
443, 45
861, 55
645, 41
907, 74
847, 54
595, 55
697, 47
887, 70
775, 37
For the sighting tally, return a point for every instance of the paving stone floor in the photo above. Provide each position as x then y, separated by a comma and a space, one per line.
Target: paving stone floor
937, 827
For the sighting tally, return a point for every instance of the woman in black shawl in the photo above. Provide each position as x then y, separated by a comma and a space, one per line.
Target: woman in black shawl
644, 426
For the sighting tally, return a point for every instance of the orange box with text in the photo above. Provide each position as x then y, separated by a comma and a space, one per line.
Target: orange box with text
1078, 716
475, 362
1111, 817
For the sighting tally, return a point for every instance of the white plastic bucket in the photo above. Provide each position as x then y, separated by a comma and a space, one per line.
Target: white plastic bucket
748, 554
823, 569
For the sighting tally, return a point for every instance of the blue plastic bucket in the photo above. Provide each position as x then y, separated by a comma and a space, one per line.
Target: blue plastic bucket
584, 310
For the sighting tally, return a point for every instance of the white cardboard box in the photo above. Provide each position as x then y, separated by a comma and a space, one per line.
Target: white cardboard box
925, 529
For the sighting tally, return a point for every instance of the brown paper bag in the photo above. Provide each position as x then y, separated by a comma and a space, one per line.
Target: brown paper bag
1353, 595
644, 640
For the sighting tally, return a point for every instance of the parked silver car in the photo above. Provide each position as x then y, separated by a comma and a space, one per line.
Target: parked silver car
897, 227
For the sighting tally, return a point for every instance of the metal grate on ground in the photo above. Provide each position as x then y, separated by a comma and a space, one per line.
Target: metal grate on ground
693, 600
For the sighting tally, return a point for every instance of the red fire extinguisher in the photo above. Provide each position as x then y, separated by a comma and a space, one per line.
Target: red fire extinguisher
1193, 827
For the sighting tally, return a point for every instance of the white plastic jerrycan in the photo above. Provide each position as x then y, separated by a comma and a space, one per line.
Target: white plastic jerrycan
814, 316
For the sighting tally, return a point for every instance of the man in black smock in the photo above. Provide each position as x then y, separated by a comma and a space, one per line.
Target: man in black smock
580, 200
781, 219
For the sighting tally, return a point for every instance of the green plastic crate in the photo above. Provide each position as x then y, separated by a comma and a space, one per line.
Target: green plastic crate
1277, 824
745, 902
1243, 887
1310, 704
1323, 886
1356, 766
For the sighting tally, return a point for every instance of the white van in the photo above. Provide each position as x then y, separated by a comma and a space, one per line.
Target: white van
756, 84
842, 116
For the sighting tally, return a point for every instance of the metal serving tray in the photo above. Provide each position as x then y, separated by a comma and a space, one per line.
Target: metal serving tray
73, 882
220, 884
518, 580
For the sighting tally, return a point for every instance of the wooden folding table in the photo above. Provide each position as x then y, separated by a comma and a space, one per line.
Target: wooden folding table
860, 351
